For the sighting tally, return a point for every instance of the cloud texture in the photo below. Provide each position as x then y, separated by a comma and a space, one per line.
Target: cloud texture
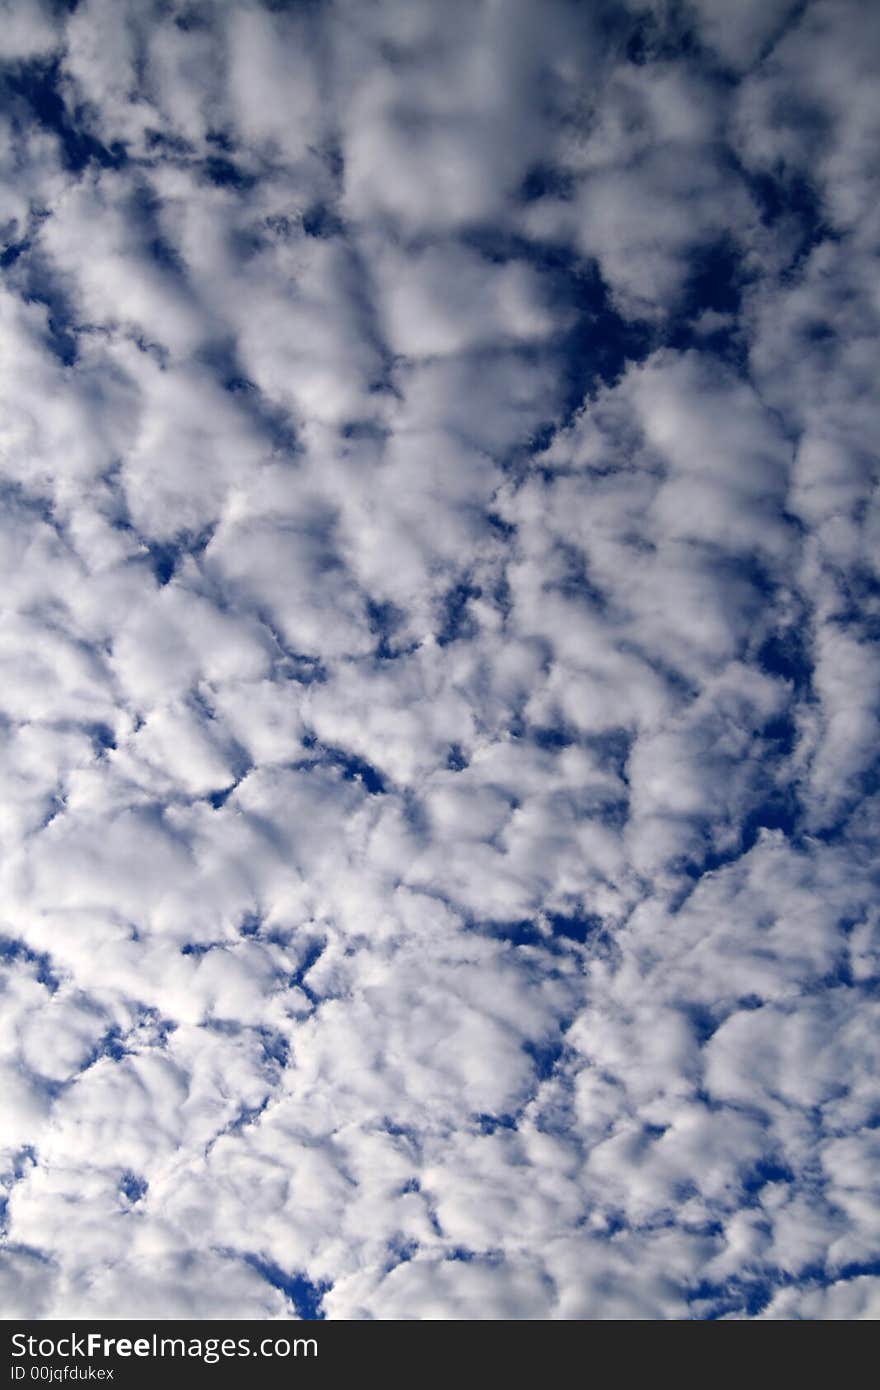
439, 703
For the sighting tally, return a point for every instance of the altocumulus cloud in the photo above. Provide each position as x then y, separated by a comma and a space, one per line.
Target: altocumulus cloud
439, 702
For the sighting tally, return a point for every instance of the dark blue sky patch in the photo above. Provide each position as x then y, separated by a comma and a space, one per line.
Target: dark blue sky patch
654, 1131
781, 732
704, 1021
24, 1161
165, 255
575, 926
305, 1294
400, 1252
250, 924
163, 142
615, 1222
158, 351
200, 701
715, 279
860, 588
769, 1169
102, 736
312, 953
276, 1048
384, 620
297, 980
455, 621
219, 798
523, 932
303, 6
750, 1001
638, 45
165, 556
545, 1056
490, 1124
715, 282
461, 1254
656, 35
132, 1187
545, 181
598, 346
778, 809
164, 1027
55, 805
608, 810
353, 768
163, 560
193, 18
246, 1116
501, 595
35, 279
32, 92
112, 1045
786, 654
224, 173
456, 759
407, 1133
552, 737
856, 1269
504, 529
12, 251
364, 429
841, 976
785, 194
819, 330
848, 924
749, 1296
321, 221
786, 200
516, 722
12, 950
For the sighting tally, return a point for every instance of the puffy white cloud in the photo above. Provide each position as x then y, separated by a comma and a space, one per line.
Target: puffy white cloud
439, 703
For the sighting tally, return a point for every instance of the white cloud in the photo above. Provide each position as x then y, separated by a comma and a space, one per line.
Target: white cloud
438, 715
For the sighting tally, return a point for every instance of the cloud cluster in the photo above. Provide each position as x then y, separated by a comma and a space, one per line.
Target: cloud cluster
438, 800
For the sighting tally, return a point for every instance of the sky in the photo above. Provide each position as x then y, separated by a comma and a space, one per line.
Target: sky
438, 660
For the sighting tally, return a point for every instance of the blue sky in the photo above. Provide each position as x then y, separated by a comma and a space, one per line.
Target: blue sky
439, 701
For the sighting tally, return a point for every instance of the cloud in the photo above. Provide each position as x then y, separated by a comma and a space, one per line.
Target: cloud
439, 708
